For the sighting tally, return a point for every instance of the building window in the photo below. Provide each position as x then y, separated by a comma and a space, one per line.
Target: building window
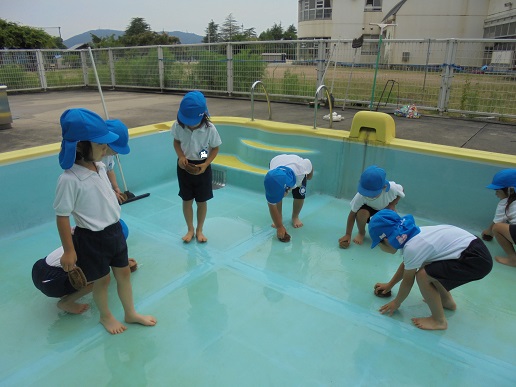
373, 5
314, 10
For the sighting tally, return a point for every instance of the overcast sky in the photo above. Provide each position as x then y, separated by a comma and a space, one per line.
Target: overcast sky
75, 17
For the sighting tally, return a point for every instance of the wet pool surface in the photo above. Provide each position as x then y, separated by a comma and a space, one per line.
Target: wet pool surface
246, 309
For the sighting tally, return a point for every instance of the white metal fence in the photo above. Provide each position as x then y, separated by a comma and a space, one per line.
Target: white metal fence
472, 77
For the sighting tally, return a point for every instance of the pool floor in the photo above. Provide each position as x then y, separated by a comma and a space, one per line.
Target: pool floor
247, 310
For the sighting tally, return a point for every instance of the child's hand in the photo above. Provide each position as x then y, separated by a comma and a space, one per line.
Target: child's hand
382, 290
344, 241
487, 235
390, 308
281, 233
182, 162
68, 260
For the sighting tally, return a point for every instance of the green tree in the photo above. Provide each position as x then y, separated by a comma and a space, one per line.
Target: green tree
212, 33
15, 36
273, 33
137, 26
290, 33
230, 29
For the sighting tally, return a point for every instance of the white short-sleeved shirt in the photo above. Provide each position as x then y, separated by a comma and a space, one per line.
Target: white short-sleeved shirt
196, 144
435, 243
54, 258
88, 197
109, 162
300, 166
381, 201
501, 216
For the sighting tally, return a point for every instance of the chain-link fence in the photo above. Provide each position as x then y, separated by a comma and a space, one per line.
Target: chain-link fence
471, 77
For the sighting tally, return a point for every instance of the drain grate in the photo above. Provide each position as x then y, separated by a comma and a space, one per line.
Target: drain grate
218, 179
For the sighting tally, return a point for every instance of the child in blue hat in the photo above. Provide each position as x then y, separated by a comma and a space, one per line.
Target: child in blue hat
84, 192
286, 173
440, 258
503, 227
196, 142
375, 193
119, 146
49, 277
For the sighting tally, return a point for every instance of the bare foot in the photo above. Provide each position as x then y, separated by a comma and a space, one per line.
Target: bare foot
296, 222
141, 319
506, 261
429, 323
188, 236
359, 239
200, 237
112, 325
72, 307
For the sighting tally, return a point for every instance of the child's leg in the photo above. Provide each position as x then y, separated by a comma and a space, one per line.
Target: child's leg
202, 210
503, 235
429, 289
361, 219
68, 304
296, 209
188, 214
125, 293
100, 296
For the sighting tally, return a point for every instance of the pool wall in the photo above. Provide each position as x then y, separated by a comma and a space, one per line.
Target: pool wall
441, 183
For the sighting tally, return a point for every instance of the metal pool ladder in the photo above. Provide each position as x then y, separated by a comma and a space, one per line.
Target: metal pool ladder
316, 103
252, 98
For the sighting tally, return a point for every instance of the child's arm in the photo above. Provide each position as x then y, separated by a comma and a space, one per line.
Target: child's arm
392, 205
487, 234
183, 161
69, 255
346, 239
277, 219
407, 278
114, 184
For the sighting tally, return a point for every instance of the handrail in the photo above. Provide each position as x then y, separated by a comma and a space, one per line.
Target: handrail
329, 101
266, 96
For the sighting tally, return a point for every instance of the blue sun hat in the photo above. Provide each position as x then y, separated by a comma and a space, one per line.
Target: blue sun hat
192, 108
503, 179
125, 229
388, 224
81, 125
119, 128
372, 181
276, 182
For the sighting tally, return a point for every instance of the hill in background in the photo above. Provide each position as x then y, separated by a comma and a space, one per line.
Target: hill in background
85, 37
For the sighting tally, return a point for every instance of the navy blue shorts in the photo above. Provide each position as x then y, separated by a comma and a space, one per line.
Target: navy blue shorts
371, 210
97, 251
52, 281
198, 187
300, 192
512, 232
474, 263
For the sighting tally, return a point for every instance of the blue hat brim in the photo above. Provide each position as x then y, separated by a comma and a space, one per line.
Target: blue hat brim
123, 150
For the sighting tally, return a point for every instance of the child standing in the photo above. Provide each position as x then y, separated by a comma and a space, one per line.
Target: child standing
120, 146
196, 142
84, 191
287, 172
374, 194
440, 258
503, 227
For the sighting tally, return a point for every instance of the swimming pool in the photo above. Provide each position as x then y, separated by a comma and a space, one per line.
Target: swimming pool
245, 309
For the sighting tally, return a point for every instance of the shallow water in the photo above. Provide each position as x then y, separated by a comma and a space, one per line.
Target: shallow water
245, 309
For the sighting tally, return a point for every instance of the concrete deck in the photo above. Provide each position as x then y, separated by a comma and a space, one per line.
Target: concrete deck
36, 118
